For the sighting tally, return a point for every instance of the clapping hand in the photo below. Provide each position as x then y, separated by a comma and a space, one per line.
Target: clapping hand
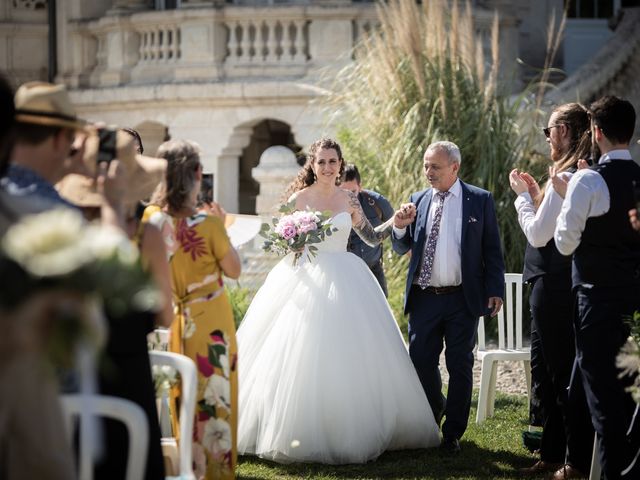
523, 182
560, 183
405, 215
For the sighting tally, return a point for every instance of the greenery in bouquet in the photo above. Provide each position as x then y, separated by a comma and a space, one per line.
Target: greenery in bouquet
77, 272
296, 231
629, 357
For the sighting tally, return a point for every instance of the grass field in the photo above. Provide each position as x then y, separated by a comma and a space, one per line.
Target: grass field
492, 450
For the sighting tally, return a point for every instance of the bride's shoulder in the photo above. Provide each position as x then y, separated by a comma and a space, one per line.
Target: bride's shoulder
350, 200
300, 196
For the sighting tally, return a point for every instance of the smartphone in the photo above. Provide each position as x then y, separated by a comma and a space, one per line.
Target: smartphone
107, 145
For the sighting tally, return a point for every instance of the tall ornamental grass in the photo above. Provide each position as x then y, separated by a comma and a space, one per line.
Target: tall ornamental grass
424, 76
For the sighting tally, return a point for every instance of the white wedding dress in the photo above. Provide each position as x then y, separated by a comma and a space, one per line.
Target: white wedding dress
324, 373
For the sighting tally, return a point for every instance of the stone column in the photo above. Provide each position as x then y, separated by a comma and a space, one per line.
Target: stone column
276, 169
330, 35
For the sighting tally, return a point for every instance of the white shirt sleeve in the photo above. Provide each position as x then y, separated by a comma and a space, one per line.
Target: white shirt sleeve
587, 196
538, 225
399, 232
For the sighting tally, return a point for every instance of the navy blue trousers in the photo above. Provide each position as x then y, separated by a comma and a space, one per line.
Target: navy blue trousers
434, 319
600, 332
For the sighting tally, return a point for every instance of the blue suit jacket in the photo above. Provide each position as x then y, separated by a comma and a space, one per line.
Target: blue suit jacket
482, 261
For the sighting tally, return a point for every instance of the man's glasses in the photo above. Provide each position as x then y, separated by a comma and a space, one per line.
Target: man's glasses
547, 130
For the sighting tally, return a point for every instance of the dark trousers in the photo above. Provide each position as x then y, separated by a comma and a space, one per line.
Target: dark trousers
432, 320
552, 358
378, 272
600, 332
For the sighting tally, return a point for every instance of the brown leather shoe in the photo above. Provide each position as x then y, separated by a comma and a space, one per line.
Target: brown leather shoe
567, 472
540, 467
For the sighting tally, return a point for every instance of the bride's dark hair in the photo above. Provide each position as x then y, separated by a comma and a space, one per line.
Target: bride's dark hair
306, 176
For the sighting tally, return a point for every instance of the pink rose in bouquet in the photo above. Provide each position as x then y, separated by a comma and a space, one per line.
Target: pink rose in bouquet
296, 231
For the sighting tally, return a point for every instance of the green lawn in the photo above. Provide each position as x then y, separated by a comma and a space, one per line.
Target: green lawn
489, 451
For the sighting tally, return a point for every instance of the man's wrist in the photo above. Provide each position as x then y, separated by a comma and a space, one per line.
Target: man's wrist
399, 232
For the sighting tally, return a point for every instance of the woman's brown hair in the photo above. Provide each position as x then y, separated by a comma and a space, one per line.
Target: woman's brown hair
183, 164
306, 176
575, 117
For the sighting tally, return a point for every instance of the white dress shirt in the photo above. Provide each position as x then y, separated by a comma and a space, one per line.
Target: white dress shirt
538, 225
587, 196
447, 264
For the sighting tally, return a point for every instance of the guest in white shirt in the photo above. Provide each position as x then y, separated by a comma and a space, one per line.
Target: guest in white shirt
549, 274
594, 226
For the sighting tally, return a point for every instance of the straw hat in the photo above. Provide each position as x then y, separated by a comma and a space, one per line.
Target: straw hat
42, 103
143, 173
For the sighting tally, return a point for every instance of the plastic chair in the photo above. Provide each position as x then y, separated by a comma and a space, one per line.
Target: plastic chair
596, 468
509, 346
77, 406
188, 387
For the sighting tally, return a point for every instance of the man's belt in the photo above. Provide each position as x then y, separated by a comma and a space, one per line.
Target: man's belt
443, 290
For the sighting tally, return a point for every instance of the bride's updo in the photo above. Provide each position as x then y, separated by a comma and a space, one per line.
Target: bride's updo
306, 176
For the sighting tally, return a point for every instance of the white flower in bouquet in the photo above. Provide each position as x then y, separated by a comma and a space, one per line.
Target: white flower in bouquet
164, 378
105, 242
48, 244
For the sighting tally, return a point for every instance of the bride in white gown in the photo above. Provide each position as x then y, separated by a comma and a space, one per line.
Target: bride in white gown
324, 373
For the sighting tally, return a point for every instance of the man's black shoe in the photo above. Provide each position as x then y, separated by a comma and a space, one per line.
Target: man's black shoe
450, 446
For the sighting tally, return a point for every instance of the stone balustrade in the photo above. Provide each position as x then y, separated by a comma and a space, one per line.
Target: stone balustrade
231, 42
214, 44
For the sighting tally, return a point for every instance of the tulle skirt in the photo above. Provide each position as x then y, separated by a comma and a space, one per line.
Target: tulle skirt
324, 372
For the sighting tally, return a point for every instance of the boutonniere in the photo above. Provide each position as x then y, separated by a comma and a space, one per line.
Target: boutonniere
473, 219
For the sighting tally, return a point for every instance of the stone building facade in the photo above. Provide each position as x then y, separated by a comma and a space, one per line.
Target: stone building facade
236, 76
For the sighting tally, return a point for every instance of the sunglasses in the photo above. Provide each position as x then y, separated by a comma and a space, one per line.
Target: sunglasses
547, 130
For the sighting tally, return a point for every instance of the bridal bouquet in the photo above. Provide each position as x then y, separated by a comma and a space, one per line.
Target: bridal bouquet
296, 231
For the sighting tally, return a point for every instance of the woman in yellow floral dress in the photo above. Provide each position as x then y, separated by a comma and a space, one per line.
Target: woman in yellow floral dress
199, 253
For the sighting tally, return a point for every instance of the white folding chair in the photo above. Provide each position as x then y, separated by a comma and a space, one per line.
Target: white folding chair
509, 346
596, 468
76, 406
188, 388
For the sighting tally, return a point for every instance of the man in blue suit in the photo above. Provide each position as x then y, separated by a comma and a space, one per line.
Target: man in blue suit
456, 274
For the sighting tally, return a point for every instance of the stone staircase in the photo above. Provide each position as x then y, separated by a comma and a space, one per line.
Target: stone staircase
614, 70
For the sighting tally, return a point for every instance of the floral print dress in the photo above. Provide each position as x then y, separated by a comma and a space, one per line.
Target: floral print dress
203, 329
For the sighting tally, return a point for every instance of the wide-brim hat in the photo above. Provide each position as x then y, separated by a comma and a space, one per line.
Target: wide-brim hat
41, 103
143, 174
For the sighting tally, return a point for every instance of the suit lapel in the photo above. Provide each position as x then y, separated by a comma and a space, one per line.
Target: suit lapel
466, 210
423, 216
420, 233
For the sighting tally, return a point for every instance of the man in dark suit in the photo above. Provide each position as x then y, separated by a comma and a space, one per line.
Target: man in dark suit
456, 274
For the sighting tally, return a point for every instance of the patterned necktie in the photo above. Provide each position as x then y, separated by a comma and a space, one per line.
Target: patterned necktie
432, 241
